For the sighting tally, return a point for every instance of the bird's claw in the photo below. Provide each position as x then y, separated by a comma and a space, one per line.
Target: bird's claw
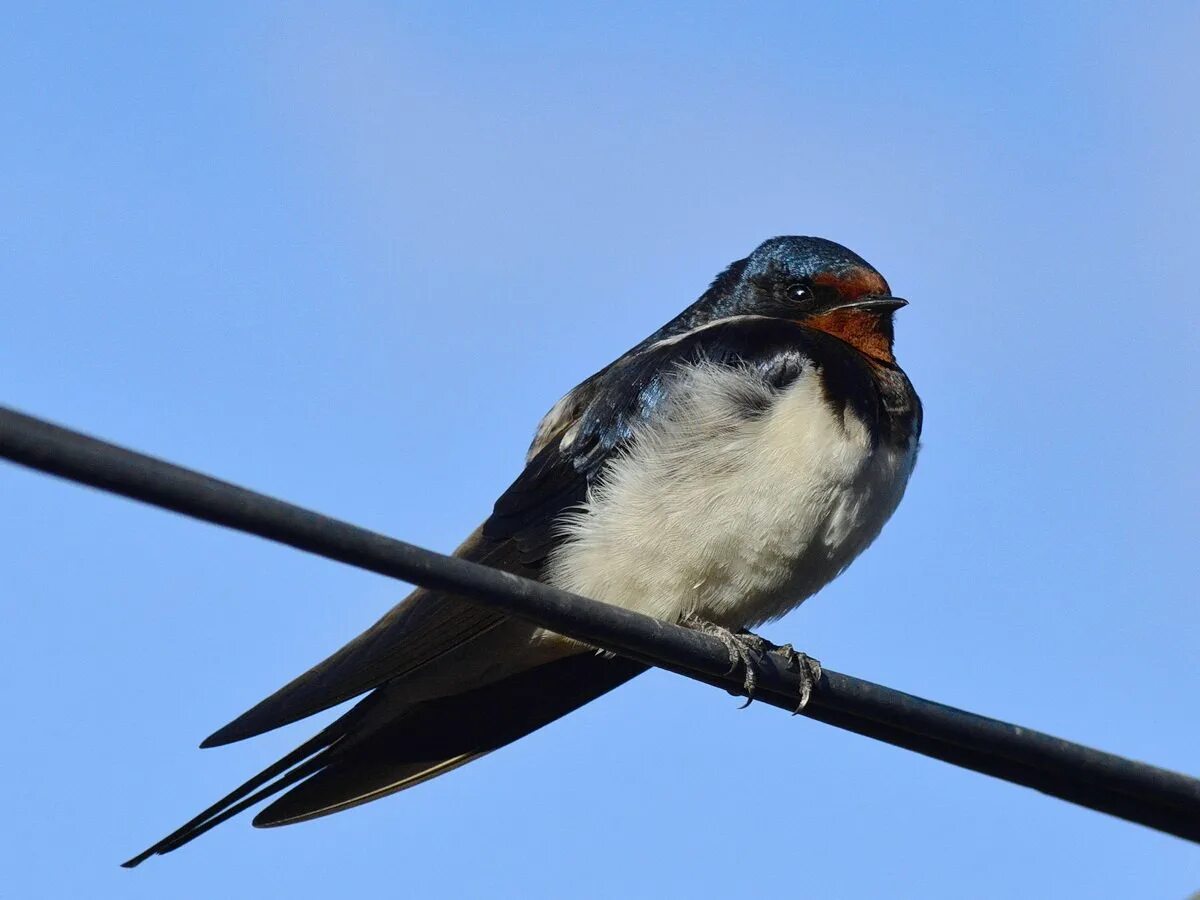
741, 645
806, 667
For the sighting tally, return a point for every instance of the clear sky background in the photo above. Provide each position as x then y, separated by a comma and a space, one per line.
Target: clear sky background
348, 255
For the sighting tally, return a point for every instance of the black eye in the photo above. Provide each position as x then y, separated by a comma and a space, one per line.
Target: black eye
799, 293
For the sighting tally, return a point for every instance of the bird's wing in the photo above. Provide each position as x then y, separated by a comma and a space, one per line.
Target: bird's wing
593, 423
380, 747
563, 414
442, 734
423, 628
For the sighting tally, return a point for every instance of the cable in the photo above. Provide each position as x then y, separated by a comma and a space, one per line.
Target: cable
1158, 798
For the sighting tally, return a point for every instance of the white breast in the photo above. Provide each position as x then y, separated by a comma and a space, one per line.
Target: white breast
732, 518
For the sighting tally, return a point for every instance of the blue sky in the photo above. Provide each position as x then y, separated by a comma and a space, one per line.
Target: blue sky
349, 254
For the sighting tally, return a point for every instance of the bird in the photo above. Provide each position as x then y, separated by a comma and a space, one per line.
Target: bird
716, 475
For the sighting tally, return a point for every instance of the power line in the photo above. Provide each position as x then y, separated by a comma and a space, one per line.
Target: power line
1158, 798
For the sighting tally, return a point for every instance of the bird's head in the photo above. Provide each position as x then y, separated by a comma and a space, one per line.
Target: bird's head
815, 282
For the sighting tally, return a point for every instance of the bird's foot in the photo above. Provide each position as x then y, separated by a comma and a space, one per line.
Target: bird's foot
742, 646
807, 668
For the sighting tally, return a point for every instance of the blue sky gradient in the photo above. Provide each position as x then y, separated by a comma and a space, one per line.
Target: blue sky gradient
348, 255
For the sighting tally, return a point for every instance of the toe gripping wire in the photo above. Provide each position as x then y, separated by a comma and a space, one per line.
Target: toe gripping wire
746, 650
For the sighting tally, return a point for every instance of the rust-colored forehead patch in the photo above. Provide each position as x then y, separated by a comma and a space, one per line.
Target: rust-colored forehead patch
854, 282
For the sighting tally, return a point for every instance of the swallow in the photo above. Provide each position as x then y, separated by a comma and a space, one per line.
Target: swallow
720, 472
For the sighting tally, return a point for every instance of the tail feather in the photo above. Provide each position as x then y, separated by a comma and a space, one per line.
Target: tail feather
443, 735
379, 747
199, 826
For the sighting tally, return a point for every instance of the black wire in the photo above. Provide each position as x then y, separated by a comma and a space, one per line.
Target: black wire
1158, 798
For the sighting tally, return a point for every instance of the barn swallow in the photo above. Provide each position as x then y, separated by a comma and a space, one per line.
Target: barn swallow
721, 471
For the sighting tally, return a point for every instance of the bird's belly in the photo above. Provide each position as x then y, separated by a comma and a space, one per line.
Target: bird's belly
730, 516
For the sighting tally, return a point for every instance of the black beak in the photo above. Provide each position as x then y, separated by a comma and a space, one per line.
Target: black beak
880, 303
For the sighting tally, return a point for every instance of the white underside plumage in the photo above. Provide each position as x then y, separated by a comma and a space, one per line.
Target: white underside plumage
732, 518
